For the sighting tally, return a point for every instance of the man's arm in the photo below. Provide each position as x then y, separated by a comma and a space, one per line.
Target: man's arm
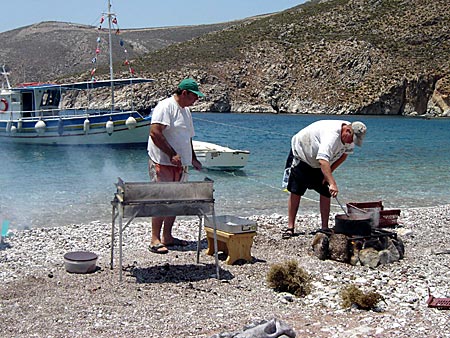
328, 177
156, 133
327, 171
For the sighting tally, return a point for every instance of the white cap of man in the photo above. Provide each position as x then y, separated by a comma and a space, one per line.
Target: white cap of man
359, 132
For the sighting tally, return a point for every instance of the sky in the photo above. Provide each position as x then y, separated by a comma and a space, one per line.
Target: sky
136, 13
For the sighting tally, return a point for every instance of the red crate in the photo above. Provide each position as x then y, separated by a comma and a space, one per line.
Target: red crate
388, 218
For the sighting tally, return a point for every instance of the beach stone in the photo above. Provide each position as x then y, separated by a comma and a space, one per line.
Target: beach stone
369, 257
394, 254
320, 246
338, 247
384, 257
354, 259
273, 328
400, 246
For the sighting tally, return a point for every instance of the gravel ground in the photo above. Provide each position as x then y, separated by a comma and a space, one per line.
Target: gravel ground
172, 296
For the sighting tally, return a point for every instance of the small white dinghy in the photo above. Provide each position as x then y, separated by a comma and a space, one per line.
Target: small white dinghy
216, 157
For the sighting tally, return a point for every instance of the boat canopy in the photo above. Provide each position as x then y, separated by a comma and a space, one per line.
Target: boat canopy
84, 85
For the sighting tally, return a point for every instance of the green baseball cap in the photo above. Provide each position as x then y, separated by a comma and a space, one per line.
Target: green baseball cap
190, 85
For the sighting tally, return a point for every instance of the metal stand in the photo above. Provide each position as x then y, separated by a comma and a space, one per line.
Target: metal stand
161, 199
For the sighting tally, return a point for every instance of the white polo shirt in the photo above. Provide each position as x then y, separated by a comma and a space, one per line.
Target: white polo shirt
320, 140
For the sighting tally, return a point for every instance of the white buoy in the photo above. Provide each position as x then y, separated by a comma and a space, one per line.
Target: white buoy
109, 127
86, 126
13, 130
131, 122
19, 124
40, 127
8, 126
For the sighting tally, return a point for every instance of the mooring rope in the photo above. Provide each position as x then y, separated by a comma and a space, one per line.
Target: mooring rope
241, 127
275, 188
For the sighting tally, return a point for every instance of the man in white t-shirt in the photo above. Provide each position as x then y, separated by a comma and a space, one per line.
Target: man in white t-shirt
171, 152
317, 151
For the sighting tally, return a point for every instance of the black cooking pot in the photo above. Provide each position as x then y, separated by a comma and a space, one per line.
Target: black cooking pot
353, 224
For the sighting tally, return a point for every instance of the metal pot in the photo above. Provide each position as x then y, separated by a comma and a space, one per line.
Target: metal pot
353, 224
80, 262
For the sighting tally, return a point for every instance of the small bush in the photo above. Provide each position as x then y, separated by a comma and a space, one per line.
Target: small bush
365, 301
289, 277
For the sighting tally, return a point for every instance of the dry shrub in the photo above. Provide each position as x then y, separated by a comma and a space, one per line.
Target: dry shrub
352, 295
289, 277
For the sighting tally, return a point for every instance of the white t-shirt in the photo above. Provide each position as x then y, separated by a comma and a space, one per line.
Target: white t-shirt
320, 140
178, 132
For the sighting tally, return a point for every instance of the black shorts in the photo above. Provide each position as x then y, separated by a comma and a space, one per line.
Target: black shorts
303, 177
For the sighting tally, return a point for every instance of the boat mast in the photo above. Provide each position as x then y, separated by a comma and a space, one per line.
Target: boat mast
5, 74
111, 72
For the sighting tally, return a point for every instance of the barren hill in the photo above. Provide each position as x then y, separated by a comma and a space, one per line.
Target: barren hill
49, 50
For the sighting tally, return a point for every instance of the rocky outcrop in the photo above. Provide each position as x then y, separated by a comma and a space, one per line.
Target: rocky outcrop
439, 104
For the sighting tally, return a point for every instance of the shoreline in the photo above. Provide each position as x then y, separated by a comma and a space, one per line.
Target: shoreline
171, 296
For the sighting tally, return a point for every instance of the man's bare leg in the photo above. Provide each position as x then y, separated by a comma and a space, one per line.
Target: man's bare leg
293, 205
167, 230
325, 210
156, 244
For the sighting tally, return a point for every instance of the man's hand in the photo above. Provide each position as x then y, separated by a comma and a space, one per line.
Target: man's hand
176, 160
333, 190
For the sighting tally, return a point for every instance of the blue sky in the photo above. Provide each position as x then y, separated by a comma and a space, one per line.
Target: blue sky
136, 13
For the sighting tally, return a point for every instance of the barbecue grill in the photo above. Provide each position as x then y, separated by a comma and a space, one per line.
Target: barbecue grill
160, 199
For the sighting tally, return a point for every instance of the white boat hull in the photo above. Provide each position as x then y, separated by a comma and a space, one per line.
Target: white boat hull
137, 135
216, 157
32, 114
100, 129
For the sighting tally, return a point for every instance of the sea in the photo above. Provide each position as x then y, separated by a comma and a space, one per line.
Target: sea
404, 162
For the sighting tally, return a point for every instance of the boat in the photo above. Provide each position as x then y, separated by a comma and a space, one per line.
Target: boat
217, 157
34, 113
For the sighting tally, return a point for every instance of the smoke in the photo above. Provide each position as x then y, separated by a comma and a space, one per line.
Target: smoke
51, 186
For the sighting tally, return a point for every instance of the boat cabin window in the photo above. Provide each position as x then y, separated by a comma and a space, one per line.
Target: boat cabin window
50, 98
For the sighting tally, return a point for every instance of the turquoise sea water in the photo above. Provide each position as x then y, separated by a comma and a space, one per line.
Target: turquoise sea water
404, 162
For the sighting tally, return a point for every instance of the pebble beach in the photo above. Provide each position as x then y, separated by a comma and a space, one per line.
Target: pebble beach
173, 296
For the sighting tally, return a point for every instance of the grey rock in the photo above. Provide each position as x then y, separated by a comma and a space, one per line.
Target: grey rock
369, 257
338, 248
320, 245
272, 329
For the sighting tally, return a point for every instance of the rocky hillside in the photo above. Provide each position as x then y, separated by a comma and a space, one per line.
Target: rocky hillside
50, 50
336, 56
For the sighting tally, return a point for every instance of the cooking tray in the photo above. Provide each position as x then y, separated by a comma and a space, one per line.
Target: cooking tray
232, 224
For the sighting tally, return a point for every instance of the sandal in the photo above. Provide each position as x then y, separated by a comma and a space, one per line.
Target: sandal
177, 242
288, 233
158, 248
